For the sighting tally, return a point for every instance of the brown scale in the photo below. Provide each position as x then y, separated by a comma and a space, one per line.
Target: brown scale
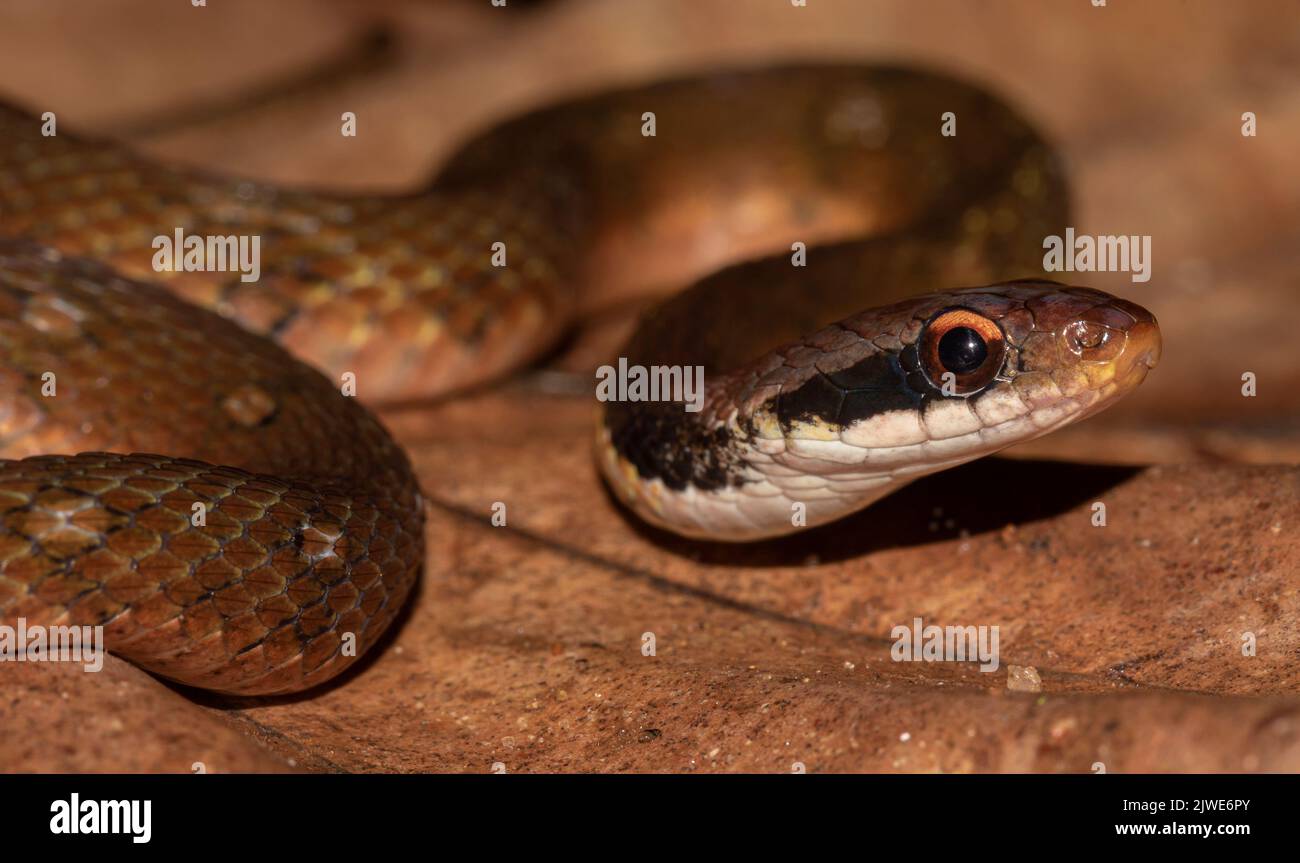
313, 522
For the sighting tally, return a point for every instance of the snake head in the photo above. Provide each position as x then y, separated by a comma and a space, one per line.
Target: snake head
846, 415
943, 378
981, 369
1049, 354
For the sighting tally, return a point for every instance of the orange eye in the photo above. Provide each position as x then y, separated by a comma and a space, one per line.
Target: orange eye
961, 351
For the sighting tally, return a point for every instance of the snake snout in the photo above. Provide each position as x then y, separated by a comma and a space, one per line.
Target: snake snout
1142, 343
1106, 338
1141, 353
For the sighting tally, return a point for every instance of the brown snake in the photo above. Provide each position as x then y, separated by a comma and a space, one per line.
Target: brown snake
310, 527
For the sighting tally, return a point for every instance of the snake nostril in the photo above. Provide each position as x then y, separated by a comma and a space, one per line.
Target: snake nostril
1093, 341
1086, 335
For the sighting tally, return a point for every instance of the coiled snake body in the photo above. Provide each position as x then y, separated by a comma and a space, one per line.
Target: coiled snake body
309, 527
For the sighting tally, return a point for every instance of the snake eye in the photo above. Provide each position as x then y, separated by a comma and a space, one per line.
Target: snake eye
961, 351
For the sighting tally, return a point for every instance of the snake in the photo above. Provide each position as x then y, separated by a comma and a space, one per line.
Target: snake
190, 458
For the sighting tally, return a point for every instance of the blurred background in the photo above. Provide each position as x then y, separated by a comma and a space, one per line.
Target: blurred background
1144, 99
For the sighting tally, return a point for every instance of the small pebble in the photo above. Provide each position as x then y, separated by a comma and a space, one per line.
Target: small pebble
1023, 678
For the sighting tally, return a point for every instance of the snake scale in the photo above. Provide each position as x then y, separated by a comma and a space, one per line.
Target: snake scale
310, 536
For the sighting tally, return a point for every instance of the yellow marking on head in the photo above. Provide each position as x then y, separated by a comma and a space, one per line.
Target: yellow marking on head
812, 431
1098, 374
767, 426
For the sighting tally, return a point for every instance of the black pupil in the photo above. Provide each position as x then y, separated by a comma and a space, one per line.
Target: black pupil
961, 350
